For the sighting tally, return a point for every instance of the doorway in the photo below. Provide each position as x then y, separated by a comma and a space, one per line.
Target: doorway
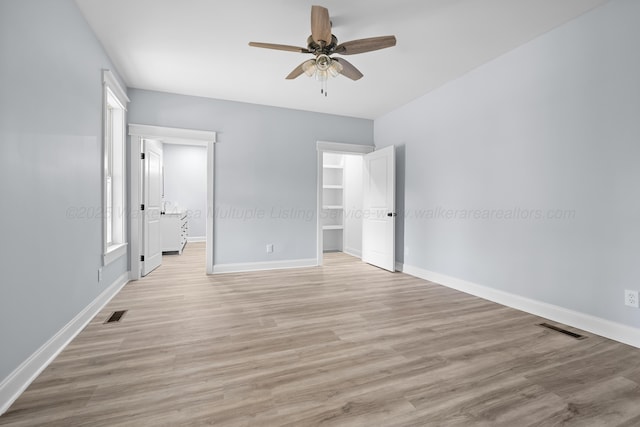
164, 135
341, 212
356, 202
184, 196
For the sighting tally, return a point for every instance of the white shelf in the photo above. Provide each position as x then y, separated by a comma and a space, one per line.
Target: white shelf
333, 166
332, 227
333, 207
333, 187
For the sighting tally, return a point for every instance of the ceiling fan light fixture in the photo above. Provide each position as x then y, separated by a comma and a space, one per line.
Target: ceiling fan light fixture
322, 68
335, 68
309, 67
322, 75
321, 43
323, 62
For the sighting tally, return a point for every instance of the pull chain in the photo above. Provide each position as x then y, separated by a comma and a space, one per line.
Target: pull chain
323, 87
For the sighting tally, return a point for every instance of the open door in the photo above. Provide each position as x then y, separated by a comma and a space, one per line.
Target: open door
379, 202
152, 204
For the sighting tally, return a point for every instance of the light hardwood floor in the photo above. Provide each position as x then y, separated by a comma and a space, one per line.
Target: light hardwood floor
345, 344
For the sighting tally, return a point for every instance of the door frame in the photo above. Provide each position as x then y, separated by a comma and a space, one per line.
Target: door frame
137, 133
337, 148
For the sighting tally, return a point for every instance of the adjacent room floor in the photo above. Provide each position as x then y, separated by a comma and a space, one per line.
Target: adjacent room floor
344, 344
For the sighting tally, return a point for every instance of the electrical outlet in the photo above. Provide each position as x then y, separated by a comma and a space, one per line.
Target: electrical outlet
100, 275
631, 298
270, 248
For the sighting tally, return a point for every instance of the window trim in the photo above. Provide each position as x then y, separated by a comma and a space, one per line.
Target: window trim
112, 91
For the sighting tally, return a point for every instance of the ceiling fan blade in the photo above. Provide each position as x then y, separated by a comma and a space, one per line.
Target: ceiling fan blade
279, 47
320, 25
365, 45
297, 72
348, 70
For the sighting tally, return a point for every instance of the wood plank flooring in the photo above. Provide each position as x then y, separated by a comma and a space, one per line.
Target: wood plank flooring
342, 345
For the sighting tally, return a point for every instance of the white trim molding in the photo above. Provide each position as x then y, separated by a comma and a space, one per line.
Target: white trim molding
353, 252
342, 148
264, 265
173, 135
13, 386
596, 325
168, 135
211, 177
114, 252
196, 239
114, 154
108, 79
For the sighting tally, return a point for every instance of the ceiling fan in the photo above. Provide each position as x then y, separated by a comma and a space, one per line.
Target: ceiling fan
322, 44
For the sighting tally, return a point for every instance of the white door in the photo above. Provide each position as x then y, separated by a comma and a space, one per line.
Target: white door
152, 201
379, 202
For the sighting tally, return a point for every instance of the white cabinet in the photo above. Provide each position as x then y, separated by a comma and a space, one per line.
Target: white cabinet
175, 229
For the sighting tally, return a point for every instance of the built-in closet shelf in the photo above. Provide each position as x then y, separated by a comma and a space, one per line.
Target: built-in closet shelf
333, 227
333, 194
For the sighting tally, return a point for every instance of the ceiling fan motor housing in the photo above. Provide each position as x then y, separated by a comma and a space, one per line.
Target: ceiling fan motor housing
318, 49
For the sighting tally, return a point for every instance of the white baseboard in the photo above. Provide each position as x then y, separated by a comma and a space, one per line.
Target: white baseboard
13, 385
353, 252
196, 239
596, 325
265, 265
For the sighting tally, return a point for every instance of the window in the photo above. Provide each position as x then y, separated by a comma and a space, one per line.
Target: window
114, 178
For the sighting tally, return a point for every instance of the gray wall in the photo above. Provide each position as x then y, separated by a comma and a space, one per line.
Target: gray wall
50, 173
265, 169
553, 126
185, 183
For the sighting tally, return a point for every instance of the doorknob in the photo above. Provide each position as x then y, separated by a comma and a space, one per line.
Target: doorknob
391, 214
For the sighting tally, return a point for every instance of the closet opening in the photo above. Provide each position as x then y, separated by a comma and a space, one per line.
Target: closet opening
341, 213
340, 198
356, 202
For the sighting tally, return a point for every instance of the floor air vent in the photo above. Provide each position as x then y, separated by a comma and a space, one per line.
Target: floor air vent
116, 316
563, 331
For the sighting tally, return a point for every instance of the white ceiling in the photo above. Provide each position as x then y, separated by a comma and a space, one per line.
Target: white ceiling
200, 47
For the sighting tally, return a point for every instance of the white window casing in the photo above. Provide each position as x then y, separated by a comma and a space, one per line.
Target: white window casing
114, 168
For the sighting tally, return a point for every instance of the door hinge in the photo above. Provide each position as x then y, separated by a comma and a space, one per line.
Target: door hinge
141, 257
141, 156
142, 207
